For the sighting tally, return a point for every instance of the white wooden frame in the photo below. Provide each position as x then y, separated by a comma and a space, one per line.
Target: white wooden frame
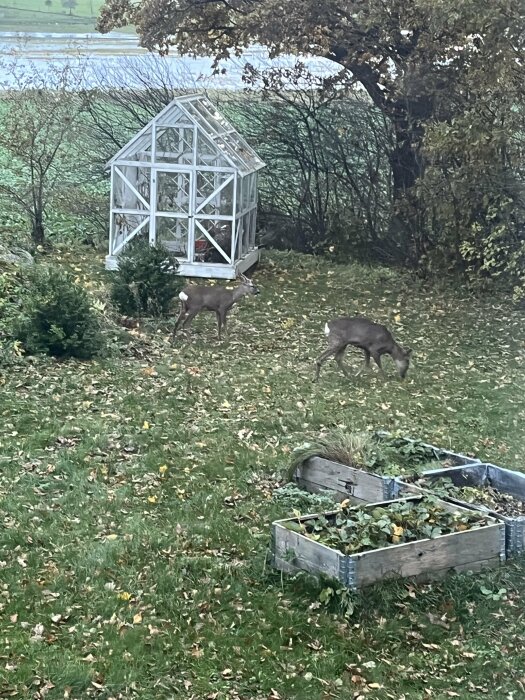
238, 166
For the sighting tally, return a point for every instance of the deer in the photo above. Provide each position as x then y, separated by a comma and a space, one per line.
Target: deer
375, 341
195, 298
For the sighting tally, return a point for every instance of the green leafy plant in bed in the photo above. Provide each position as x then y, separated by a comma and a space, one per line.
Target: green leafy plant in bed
359, 529
393, 455
485, 495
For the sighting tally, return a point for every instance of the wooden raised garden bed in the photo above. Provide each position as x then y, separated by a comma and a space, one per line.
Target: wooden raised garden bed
484, 487
360, 485
465, 550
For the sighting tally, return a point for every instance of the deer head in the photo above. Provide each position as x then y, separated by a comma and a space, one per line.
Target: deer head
247, 285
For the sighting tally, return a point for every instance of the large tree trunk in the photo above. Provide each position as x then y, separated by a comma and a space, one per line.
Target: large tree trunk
406, 161
38, 233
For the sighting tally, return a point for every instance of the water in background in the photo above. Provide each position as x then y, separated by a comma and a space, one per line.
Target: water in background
116, 60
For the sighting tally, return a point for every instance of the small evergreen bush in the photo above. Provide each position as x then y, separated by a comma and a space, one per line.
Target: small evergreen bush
56, 317
145, 283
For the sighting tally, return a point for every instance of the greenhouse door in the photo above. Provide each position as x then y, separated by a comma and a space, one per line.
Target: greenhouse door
172, 221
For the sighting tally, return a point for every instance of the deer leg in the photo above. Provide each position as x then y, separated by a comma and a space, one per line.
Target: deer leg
339, 359
377, 360
190, 315
366, 364
219, 322
180, 319
332, 350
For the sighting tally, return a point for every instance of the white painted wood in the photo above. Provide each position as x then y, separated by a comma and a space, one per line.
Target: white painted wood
153, 217
111, 215
111, 262
248, 261
176, 167
234, 222
207, 270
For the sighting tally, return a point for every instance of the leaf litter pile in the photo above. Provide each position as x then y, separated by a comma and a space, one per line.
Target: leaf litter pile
485, 495
361, 528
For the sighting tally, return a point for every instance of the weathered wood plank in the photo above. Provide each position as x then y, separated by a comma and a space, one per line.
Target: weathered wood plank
459, 549
318, 474
300, 552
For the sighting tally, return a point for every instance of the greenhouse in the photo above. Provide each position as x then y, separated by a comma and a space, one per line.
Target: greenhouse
187, 181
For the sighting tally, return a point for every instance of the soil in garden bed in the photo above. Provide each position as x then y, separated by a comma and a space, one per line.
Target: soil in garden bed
363, 528
488, 496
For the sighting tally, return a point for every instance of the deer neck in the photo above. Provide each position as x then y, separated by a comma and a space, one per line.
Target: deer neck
398, 354
238, 293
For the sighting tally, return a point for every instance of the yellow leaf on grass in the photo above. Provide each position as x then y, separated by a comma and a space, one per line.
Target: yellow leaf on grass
397, 318
152, 499
111, 537
145, 425
124, 595
163, 469
137, 619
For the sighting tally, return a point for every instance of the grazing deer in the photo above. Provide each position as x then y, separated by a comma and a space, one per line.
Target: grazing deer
196, 298
375, 340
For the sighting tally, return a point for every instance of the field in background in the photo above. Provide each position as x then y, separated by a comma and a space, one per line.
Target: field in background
137, 501
49, 15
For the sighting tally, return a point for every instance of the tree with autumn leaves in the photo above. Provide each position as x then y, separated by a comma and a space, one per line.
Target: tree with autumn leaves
447, 75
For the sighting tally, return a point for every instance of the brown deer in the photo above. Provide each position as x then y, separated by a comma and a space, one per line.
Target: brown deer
195, 298
375, 340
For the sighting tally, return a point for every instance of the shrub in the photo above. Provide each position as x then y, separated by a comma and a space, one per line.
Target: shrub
145, 283
11, 286
56, 317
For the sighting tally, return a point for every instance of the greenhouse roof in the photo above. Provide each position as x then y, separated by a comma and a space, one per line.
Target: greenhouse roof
220, 135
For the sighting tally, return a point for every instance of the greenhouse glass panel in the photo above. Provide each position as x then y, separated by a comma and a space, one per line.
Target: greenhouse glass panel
213, 240
173, 192
174, 144
173, 234
209, 155
131, 188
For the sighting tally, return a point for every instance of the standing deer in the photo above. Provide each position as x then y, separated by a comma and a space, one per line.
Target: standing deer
375, 340
196, 298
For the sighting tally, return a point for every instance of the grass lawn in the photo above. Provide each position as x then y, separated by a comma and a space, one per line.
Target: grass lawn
37, 16
136, 503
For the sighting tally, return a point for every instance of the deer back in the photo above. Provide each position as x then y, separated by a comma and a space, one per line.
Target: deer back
361, 332
201, 297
